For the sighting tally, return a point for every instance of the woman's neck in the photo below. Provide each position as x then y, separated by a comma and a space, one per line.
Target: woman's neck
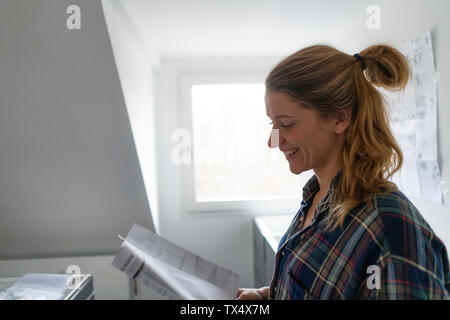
325, 175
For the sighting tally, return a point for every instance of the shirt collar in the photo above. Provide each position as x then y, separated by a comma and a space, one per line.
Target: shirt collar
312, 187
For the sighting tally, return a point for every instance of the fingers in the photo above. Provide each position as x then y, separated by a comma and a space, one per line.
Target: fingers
242, 291
244, 296
248, 294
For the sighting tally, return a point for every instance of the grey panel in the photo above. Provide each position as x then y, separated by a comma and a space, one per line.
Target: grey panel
69, 174
259, 256
264, 262
270, 262
260, 279
258, 243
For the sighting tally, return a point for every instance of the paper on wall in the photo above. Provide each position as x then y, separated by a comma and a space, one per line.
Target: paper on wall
413, 116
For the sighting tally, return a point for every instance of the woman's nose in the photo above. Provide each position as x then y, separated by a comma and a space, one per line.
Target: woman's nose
274, 139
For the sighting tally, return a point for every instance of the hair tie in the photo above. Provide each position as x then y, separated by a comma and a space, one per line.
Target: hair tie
360, 59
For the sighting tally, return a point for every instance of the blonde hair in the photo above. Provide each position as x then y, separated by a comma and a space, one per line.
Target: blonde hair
334, 83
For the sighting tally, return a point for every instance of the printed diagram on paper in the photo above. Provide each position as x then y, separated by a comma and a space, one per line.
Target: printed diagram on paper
413, 115
172, 271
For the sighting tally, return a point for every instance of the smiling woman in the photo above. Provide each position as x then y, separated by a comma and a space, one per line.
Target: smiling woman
301, 131
356, 235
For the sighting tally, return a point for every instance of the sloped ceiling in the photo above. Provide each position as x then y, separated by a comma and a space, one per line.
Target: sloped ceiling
70, 179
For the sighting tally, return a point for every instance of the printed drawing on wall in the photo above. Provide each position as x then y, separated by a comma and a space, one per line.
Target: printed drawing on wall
413, 116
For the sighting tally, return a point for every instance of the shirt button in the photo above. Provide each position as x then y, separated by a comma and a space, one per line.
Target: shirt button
282, 253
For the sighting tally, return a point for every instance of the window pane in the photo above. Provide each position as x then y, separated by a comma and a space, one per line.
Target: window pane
232, 160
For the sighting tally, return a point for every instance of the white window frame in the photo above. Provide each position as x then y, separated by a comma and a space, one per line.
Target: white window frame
276, 205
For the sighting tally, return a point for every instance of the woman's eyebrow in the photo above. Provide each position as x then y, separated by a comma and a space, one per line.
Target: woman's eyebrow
282, 116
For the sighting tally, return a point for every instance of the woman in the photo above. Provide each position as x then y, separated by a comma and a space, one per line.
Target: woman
356, 236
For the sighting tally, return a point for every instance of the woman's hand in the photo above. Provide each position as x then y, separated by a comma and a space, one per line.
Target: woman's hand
253, 294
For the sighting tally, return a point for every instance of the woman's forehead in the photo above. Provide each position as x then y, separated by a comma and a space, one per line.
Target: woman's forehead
280, 103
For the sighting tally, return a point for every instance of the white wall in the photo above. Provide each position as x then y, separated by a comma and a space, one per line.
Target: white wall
135, 63
226, 238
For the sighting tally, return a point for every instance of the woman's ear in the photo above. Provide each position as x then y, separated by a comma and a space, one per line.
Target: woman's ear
341, 123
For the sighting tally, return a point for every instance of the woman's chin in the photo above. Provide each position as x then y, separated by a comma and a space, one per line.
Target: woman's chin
296, 169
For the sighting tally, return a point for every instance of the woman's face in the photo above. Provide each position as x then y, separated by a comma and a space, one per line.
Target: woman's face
312, 138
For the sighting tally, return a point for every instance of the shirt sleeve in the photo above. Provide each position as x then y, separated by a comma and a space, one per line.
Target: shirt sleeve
414, 262
401, 279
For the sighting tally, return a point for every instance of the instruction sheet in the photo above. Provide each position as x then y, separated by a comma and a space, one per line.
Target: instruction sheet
172, 271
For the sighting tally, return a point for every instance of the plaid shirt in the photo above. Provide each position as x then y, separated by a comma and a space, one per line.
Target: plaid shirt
392, 237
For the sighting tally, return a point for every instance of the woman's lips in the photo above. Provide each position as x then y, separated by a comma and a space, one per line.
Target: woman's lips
290, 153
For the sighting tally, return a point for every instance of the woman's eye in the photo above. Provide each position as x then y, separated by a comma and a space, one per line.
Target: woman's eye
283, 125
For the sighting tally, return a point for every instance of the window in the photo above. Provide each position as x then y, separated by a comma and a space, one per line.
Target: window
233, 167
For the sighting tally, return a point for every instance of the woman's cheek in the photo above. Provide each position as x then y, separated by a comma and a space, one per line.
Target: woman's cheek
303, 154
